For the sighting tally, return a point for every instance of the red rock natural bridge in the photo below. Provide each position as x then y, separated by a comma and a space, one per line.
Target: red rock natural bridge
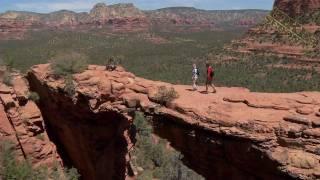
234, 134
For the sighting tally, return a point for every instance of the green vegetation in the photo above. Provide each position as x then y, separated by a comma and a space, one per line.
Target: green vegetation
7, 61
11, 169
170, 61
266, 74
68, 63
34, 96
7, 78
165, 95
307, 18
40, 136
154, 160
69, 86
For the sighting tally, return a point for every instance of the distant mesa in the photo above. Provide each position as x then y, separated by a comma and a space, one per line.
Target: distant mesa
125, 17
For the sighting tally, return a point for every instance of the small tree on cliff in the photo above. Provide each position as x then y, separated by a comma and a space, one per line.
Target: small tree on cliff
69, 63
165, 95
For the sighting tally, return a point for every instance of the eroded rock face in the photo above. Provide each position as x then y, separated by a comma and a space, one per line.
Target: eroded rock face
272, 40
297, 7
22, 124
92, 134
234, 133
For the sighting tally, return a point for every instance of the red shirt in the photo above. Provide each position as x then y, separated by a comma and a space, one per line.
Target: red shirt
209, 72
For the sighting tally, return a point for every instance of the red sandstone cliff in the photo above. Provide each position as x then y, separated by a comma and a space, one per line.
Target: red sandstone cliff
235, 133
22, 124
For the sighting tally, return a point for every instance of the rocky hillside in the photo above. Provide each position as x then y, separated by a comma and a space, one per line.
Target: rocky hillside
298, 7
291, 31
103, 12
22, 124
191, 16
125, 17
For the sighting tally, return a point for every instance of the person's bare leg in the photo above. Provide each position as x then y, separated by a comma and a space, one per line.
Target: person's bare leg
213, 88
194, 84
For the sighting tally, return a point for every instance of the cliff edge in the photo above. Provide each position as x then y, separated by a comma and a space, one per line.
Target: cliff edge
245, 134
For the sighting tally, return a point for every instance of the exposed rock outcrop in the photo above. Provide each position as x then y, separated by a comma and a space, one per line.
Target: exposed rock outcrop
22, 124
102, 12
290, 31
297, 7
95, 141
234, 133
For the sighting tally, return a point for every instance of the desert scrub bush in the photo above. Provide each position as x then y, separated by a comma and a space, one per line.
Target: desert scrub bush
7, 61
65, 174
7, 78
165, 95
40, 137
33, 96
142, 127
11, 169
69, 87
68, 63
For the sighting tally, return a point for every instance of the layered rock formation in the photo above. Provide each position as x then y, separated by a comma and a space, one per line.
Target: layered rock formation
297, 7
102, 12
13, 28
123, 17
95, 141
235, 133
291, 31
21, 123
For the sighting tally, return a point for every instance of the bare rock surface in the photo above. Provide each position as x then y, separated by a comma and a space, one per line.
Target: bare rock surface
23, 125
283, 127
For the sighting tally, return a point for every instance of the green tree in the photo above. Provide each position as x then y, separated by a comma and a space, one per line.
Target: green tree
68, 63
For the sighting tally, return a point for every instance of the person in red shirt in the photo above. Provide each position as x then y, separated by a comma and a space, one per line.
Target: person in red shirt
210, 74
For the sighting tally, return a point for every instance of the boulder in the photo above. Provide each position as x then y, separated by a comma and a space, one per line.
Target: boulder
298, 120
21, 89
7, 100
315, 133
303, 160
5, 126
305, 111
30, 111
4, 89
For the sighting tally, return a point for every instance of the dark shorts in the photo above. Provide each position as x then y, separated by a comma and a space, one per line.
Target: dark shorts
209, 81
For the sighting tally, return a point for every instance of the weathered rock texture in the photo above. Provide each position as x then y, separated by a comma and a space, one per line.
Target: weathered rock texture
297, 7
124, 18
271, 40
233, 134
21, 123
91, 130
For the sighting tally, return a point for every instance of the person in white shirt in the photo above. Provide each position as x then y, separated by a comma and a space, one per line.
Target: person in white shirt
195, 76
